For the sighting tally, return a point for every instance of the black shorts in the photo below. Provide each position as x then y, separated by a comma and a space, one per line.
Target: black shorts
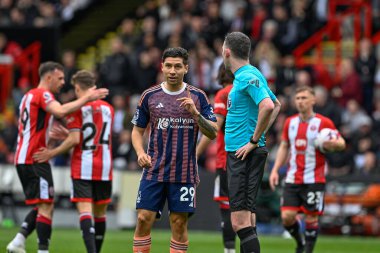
244, 178
97, 192
221, 189
306, 198
37, 182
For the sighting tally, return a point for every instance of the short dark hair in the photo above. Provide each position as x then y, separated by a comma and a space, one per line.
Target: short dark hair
305, 88
239, 44
176, 52
84, 78
49, 66
225, 76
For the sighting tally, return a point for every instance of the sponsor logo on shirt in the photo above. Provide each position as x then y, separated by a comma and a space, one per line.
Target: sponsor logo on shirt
160, 105
164, 123
301, 144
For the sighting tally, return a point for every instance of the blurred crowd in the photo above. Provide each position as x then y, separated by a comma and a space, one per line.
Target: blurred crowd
38, 13
351, 99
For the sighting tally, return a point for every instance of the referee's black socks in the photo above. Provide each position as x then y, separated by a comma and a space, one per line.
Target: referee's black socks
249, 242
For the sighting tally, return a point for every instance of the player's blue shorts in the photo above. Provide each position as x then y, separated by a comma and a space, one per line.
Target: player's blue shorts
152, 196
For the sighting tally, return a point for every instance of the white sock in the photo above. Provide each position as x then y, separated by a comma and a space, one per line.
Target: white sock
229, 250
43, 251
19, 239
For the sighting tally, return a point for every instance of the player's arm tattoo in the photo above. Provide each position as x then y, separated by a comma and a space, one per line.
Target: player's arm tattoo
207, 127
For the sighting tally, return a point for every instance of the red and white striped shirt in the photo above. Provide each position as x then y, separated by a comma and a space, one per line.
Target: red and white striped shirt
220, 107
33, 124
92, 157
307, 165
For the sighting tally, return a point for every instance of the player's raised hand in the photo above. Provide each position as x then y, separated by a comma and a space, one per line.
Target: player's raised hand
189, 105
144, 160
273, 179
42, 155
95, 94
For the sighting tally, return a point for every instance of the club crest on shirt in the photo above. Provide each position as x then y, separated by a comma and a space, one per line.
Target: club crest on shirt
163, 123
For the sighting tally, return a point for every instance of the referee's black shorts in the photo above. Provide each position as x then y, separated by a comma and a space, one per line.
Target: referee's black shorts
244, 178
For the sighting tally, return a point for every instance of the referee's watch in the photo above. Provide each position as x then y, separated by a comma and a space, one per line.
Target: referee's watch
253, 141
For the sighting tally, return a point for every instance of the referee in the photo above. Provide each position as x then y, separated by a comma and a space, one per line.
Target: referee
252, 108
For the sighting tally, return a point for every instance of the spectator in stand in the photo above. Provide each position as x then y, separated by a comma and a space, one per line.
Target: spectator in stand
229, 9
350, 86
218, 59
366, 67
29, 8
215, 27
303, 78
128, 35
69, 64
376, 116
301, 13
47, 15
124, 155
353, 118
266, 57
17, 17
259, 14
149, 25
118, 103
326, 106
288, 30
146, 73
286, 73
365, 158
200, 67
115, 72
238, 24
5, 8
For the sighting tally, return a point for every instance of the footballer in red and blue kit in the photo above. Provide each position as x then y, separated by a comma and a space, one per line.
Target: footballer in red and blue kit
172, 144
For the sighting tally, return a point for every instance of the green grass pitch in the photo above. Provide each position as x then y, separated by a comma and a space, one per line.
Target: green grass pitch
70, 241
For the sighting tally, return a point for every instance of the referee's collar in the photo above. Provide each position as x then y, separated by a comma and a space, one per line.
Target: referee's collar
242, 68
